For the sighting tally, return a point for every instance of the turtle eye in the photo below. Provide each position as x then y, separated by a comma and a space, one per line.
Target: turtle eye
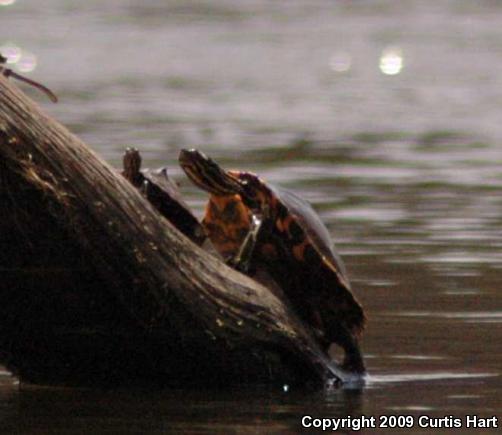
248, 189
251, 197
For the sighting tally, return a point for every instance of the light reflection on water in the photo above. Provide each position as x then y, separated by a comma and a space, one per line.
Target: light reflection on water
466, 316
391, 61
424, 377
403, 168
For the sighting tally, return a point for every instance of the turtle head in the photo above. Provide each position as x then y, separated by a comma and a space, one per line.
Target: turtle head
207, 174
254, 192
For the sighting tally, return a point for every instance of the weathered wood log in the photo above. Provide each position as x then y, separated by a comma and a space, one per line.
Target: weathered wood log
96, 287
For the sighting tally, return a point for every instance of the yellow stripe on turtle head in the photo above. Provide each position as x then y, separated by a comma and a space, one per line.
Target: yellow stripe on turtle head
207, 174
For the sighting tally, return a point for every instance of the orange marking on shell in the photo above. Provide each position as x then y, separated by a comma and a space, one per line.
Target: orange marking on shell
299, 250
283, 224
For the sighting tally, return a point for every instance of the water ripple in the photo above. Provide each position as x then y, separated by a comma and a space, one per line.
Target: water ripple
425, 377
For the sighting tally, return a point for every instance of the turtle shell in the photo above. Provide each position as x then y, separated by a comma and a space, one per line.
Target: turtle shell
163, 193
299, 253
314, 229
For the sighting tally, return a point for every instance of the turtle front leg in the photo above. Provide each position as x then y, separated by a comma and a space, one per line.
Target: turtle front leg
242, 260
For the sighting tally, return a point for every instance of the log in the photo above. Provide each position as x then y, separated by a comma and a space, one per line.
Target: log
97, 288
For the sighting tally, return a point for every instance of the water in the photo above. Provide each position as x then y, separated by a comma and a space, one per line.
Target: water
385, 115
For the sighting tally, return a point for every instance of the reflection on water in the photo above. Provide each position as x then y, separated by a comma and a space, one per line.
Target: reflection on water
391, 61
7, 2
385, 116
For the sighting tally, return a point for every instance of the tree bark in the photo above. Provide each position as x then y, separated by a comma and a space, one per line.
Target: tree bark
97, 287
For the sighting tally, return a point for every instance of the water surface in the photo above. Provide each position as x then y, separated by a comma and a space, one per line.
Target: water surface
385, 115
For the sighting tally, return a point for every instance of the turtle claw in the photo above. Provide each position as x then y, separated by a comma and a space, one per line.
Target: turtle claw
240, 265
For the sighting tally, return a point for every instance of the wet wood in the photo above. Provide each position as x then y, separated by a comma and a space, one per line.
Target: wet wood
96, 288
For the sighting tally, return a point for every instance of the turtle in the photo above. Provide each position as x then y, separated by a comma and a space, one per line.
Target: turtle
163, 193
256, 224
7, 72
